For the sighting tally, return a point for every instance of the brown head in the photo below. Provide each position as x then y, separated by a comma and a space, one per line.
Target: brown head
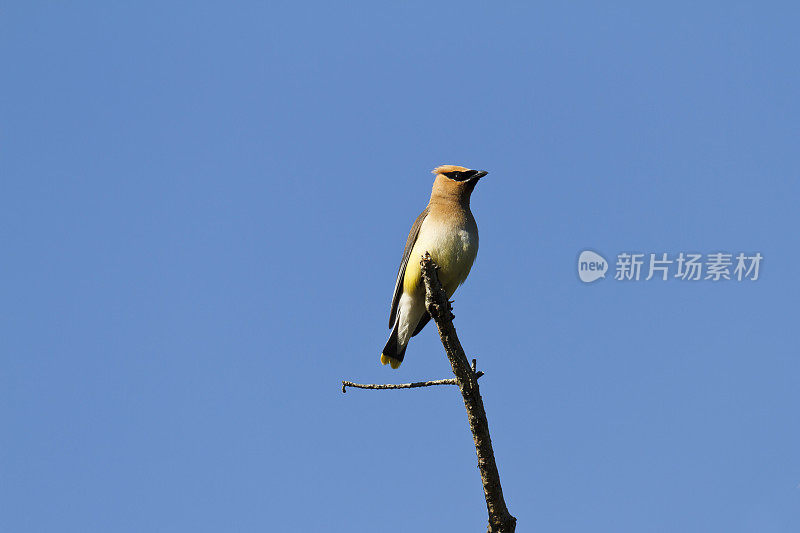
455, 183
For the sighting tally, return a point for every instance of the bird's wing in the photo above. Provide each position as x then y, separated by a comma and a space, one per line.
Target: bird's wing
398, 285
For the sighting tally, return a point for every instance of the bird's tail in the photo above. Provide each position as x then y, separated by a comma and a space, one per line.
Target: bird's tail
393, 352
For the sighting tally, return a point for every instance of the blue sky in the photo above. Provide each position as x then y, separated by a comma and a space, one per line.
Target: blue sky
203, 207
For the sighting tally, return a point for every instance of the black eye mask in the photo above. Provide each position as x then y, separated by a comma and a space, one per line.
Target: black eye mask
459, 175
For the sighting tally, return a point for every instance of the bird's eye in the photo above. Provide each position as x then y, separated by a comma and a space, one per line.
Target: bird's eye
457, 175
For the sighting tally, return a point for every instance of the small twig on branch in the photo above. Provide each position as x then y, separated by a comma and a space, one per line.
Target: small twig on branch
414, 385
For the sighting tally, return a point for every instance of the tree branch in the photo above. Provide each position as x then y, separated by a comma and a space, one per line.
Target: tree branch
466, 377
500, 520
414, 385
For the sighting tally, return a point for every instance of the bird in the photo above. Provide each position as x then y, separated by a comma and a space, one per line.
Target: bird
446, 230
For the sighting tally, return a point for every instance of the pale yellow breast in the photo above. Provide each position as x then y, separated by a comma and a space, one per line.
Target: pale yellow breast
453, 246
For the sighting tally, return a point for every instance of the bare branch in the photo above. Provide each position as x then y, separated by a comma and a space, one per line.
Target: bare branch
416, 384
500, 520
466, 378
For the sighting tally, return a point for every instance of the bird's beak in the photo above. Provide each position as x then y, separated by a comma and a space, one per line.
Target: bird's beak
480, 174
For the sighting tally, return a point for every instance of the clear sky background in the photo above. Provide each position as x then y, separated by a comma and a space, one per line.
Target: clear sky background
203, 206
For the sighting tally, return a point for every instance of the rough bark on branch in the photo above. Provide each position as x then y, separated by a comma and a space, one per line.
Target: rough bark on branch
500, 519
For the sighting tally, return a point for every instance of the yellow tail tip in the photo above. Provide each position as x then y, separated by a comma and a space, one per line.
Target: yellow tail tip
395, 363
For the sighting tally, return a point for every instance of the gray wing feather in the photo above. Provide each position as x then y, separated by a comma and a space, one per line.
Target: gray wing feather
398, 285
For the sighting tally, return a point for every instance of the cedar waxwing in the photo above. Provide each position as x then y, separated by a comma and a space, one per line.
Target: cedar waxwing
446, 229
